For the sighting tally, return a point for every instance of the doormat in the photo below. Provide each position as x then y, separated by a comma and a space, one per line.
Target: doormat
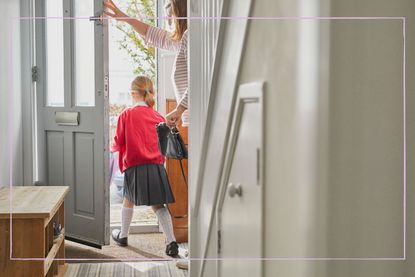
139, 246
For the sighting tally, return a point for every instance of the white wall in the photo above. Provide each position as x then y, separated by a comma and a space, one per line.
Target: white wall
10, 95
334, 163
203, 39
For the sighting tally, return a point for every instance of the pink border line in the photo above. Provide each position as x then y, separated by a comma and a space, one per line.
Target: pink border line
403, 19
228, 17
213, 259
404, 135
10, 124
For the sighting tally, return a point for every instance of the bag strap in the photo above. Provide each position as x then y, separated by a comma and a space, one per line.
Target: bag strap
184, 176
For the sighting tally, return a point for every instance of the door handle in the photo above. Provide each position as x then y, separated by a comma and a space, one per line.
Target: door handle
234, 190
97, 18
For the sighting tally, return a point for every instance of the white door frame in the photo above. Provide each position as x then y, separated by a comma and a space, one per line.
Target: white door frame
28, 91
221, 92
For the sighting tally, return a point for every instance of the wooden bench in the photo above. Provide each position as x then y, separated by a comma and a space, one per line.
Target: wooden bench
34, 209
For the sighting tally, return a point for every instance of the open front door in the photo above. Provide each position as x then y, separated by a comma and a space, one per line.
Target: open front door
72, 120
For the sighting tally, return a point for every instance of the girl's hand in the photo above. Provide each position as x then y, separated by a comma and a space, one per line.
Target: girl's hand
111, 10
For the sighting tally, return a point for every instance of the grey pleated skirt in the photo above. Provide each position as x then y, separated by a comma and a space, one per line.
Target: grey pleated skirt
148, 185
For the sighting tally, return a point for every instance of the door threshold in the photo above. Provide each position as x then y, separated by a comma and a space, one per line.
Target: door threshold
139, 228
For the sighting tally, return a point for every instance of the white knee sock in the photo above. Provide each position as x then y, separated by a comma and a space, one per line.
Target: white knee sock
126, 217
166, 223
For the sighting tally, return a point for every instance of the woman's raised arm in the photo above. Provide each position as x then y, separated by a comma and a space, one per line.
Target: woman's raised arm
113, 11
153, 36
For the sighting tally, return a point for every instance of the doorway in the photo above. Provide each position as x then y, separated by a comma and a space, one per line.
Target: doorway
128, 57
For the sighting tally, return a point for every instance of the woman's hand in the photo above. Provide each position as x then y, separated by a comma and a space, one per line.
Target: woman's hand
113, 11
172, 119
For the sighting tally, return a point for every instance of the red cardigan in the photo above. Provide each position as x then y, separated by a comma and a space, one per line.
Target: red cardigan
136, 137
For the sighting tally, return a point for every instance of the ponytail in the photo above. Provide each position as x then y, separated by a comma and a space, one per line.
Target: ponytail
149, 98
144, 86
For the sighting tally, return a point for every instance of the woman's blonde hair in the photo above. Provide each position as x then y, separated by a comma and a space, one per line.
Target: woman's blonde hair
178, 9
144, 86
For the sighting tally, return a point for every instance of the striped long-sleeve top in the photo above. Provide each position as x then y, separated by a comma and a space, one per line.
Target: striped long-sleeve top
160, 38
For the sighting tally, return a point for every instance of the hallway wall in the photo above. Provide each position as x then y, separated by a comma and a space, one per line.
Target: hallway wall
11, 140
334, 164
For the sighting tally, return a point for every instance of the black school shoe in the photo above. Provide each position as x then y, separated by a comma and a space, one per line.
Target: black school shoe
116, 237
57, 229
172, 249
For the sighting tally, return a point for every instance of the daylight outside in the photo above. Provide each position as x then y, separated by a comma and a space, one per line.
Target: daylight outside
128, 57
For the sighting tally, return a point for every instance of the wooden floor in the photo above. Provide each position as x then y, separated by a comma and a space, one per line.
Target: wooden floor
136, 269
143, 245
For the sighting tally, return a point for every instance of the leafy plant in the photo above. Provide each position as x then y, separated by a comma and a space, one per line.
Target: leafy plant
143, 57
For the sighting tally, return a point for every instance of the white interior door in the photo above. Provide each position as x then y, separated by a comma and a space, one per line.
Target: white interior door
240, 205
72, 118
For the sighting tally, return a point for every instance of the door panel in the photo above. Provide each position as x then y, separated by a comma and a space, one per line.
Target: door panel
84, 173
55, 156
76, 154
240, 207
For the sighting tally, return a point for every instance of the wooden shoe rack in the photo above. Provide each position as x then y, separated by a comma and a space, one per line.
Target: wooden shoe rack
35, 252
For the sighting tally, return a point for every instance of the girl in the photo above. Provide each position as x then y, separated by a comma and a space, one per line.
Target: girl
145, 178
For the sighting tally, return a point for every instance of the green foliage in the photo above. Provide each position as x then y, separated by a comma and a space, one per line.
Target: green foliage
143, 57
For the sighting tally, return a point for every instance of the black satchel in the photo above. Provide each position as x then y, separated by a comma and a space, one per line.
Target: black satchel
171, 144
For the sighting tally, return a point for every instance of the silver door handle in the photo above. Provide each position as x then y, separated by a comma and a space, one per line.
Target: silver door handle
234, 190
97, 18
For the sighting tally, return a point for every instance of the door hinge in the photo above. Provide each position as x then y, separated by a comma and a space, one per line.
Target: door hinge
35, 74
219, 242
106, 86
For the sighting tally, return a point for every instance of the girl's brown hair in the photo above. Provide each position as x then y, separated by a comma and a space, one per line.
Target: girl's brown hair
179, 9
144, 86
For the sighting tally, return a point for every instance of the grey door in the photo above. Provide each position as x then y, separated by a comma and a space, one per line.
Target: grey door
72, 118
240, 209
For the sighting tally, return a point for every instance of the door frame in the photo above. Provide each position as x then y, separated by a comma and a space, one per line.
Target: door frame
220, 92
28, 59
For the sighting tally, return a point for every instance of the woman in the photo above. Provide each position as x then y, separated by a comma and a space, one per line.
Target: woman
176, 42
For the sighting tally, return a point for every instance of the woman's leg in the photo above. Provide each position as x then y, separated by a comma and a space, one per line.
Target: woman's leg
166, 223
126, 217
